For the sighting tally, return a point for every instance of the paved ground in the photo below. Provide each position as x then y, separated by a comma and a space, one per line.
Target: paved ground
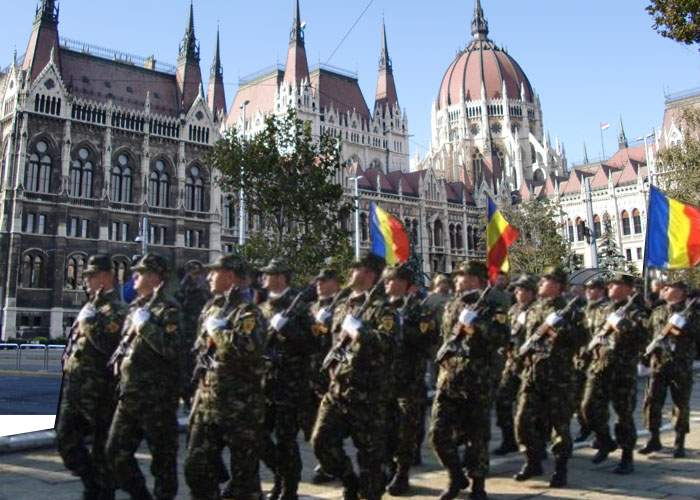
28, 393
31, 474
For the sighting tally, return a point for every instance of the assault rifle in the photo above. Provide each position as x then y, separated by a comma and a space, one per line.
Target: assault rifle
601, 336
328, 310
73, 335
553, 320
660, 341
453, 345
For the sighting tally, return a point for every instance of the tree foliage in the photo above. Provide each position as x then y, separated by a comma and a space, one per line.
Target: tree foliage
610, 258
289, 180
678, 20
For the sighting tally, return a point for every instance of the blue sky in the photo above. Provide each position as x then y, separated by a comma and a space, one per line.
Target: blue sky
590, 61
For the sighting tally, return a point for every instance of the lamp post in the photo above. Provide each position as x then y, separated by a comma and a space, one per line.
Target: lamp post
143, 237
651, 172
357, 214
241, 199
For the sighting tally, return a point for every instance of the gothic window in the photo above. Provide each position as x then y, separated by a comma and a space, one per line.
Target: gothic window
194, 191
626, 229
414, 230
637, 221
438, 236
459, 239
580, 229
364, 229
570, 230
229, 213
121, 180
121, 270
597, 229
74, 272
81, 171
32, 271
158, 186
470, 238
451, 231
37, 176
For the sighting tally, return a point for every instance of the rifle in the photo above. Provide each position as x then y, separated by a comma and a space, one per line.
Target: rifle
331, 307
602, 334
452, 345
660, 341
73, 335
542, 331
339, 351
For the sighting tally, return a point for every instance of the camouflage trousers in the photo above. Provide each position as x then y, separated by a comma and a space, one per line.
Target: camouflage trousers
404, 419
364, 422
506, 396
83, 419
241, 433
156, 422
581, 364
616, 385
678, 379
545, 408
282, 455
462, 421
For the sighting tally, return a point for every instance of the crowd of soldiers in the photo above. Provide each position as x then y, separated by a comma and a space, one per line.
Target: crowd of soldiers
260, 364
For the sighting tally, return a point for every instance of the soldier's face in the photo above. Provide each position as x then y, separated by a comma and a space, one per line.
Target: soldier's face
396, 288
466, 282
549, 288
361, 278
221, 281
524, 295
675, 295
595, 293
274, 282
146, 282
326, 288
618, 292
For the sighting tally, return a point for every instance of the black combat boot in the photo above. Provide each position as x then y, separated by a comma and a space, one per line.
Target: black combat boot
417, 457
583, 434
679, 446
478, 489
139, 492
320, 476
606, 446
508, 445
399, 483
290, 490
626, 465
530, 469
350, 487
91, 491
558, 479
276, 491
654, 444
457, 482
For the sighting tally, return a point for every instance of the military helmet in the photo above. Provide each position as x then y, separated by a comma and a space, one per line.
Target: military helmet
556, 273
472, 268
276, 266
622, 279
370, 261
230, 262
596, 282
399, 272
525, 281
99, 263
153, 263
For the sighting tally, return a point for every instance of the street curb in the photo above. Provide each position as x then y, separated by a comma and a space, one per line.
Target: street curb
22, 373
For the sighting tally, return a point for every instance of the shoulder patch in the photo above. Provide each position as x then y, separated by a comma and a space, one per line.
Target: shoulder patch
425, 326
501, 318
171, 327
112, 327
248, 324
387, 322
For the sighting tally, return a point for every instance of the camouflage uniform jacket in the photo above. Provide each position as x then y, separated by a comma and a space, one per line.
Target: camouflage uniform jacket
554, 357
417, 335
679, 350
471, 372
322, 343
517, 314
622, 348
594, 318
235, 375
288, 351
364, 374
96, 336
150, 369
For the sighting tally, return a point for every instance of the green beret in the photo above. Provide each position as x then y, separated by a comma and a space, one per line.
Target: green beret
525, 281
231, 262
153, 263
556, 273
622, 279
99, 263
276, 266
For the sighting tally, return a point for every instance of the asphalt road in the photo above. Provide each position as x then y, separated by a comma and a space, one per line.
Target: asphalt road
29, 394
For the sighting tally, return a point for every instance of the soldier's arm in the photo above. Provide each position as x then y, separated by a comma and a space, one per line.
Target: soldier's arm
380, 331
105, 333
420, 328
244, 339
163, 335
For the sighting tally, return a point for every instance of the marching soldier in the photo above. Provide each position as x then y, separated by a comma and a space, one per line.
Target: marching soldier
87, 401
545, 401
147, 363
472, 330
676, 329
619, 335
289, 345
525, 288
417, 334
359, 365
228, 409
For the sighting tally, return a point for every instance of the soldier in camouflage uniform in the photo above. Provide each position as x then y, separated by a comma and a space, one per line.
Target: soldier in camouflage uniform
228, 409
147, 363
417, 334
596, 300
87, 400
671, 365
462, 405
525, 293
364, 328
548, 378
286, 382
619, 329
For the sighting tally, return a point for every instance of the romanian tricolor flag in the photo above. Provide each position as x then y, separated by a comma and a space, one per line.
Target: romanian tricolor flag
673, 233
500, 235
389, 237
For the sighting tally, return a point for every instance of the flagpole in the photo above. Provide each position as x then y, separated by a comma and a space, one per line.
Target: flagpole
602, 141
645, 267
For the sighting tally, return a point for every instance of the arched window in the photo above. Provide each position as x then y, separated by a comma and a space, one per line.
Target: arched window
74, 272
32, 275
364, 229
470, 238
570, 230
626, 229
459, 238
37, 175
580, 229
81, 171
194, 191
229, 213
451, 231
121, 180
438, 236
637, 221
121, 271
477, 167
158, 186
414, 231
597, 228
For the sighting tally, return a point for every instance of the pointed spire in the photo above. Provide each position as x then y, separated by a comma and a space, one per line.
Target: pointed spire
216, 68
585, 154
384, 59
189, 75
47, 11
297, 33
480, 27
189, 48
386, 95
622, 139
297, 69
43, 40
216, 95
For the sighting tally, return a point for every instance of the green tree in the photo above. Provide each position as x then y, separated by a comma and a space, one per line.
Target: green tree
678, 20
540, 243
610, 258
290, 186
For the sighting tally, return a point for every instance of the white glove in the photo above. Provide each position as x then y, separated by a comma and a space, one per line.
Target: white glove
213, 324
278, 321
614, 319
467, 317
553, 319
522, 317
88, 311
352, 325
678, 320
323, 315
140, 317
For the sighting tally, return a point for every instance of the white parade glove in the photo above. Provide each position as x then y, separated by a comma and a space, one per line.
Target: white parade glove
323, 315
614, 319
88, 311
522, 317
213, 324
467, 317
678, 320
352, 325
140, 317
278, 321
553, 320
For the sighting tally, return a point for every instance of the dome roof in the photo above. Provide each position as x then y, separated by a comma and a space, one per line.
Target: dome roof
482, 61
